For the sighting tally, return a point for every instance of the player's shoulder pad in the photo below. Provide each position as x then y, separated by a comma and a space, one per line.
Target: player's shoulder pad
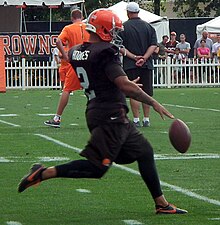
104, 51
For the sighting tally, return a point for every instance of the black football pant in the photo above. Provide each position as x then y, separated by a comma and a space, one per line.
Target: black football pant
85, 169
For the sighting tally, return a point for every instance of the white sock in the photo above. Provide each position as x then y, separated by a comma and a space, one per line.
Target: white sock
136, 119
146, 119
57, 117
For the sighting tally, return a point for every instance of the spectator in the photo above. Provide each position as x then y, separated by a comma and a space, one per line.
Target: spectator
184, 46
171, 44
55, 62
208, 41
140, 41
178, 58
216, 49
203, 53
55, 58
162, 54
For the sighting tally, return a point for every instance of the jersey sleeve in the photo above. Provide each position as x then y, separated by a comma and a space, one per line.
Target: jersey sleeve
153, 37
114, 70
63, 36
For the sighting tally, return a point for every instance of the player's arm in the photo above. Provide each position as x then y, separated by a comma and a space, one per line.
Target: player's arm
132, 90
59, 44
126, 53
140, 62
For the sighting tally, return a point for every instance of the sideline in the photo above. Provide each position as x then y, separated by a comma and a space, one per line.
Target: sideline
132, 171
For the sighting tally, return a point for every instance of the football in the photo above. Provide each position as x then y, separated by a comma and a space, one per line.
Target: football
180, 136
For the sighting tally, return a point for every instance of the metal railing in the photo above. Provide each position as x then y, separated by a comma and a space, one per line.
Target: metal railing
28, 75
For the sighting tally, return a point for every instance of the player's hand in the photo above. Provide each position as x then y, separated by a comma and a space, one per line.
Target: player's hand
65, 57
161, 110
136, 81
140, 62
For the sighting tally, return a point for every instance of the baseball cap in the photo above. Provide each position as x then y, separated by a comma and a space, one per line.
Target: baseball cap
173, 33
133, 7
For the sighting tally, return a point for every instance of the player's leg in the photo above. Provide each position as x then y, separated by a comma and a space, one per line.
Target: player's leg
135, 108
71, 83
73, 169
146, 80
135, 105
137, 148
148, 171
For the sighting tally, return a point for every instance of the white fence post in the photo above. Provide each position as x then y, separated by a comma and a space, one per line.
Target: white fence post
23, 76
26, 75
169, 72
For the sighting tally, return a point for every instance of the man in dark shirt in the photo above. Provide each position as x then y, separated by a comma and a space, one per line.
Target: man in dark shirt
171, 44
140, 41
113, 137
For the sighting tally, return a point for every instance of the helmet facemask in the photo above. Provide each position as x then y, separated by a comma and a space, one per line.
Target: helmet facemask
116, 39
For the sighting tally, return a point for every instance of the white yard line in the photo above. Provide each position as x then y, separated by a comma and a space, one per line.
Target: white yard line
132, 222
8, 115
15, 159
4, 160
186, 156
45, 114
11, 124
213, 218
190, 107
13, 223
132, 171
83, 190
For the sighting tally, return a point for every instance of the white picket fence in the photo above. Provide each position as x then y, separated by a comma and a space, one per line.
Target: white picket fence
28, 75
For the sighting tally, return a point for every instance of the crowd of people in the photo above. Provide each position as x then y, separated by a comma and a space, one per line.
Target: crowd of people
204, 51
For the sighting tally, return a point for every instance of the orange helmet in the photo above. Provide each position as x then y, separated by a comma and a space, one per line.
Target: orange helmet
105, 24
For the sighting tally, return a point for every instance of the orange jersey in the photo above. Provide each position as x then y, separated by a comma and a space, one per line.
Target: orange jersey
71, 35
74, 34
63, 63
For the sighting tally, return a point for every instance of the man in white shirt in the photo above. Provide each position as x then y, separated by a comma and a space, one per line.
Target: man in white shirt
184, 46
216, 49
55, 58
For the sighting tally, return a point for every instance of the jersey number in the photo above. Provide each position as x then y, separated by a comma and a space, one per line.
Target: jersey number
84, 81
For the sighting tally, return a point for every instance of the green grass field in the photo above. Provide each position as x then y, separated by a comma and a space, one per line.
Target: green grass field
191, 181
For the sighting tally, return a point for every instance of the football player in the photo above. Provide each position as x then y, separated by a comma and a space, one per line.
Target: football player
114, 138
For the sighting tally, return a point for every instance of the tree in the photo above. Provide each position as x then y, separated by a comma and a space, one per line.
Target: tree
196, 8
95, 4
157, 7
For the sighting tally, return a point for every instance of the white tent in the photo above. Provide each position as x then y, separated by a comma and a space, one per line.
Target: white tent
212, 26
160, 24
39, 2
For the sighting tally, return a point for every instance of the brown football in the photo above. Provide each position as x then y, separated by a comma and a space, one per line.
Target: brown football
180, 136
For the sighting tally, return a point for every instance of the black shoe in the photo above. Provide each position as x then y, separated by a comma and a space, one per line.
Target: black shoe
33, 178
53, 123
170, 209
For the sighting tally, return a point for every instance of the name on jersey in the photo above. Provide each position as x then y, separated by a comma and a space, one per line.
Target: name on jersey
78, 55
